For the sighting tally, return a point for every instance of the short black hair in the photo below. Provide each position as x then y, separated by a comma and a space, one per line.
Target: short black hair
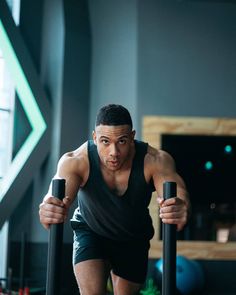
113, 115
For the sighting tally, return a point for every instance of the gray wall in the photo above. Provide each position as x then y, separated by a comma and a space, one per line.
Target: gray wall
114, 55
187, 58
164, 57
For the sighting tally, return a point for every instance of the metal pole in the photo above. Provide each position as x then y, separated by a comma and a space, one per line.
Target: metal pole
22, 263
55, 245
169, 247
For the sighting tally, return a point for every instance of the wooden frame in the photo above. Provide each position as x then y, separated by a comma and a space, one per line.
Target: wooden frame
153, 127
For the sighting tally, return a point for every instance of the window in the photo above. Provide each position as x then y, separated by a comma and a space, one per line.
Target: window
7, 94
7, 102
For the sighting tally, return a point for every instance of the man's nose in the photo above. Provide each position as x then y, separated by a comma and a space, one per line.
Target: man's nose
114, 151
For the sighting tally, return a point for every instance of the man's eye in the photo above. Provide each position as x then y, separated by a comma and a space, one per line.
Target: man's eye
104, 141
122, 141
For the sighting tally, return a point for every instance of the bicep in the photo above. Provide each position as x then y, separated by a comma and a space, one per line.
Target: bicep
67, 170
164, 171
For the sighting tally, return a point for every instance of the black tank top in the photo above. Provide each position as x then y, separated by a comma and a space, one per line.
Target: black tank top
121, 218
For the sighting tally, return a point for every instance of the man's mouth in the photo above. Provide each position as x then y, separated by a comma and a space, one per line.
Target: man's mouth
114, 163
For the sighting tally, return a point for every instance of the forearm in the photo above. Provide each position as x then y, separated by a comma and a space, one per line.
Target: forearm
183, 194
71, 189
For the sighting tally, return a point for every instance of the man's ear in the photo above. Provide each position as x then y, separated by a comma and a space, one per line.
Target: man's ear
133, 134
94, 137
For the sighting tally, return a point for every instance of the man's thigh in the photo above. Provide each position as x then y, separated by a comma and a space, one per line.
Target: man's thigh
91, 253
91, 266
91, 276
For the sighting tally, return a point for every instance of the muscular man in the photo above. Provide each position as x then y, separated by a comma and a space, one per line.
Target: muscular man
114, 176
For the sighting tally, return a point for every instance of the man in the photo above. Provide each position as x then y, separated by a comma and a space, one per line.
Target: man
115, 176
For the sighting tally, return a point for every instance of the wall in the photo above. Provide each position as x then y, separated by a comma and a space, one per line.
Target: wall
186, 58
164, 57
114, 55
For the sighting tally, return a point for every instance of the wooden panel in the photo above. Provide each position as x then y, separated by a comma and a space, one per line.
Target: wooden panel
198, 250
153, 128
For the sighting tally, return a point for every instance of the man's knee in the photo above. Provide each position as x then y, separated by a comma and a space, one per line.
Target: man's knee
124, 287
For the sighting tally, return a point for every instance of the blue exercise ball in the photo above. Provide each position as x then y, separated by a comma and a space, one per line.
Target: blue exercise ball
189, 275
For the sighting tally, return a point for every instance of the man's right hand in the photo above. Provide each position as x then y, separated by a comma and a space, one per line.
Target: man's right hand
53, 211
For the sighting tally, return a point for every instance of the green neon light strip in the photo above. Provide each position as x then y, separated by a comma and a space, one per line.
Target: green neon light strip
22, 87
30, 107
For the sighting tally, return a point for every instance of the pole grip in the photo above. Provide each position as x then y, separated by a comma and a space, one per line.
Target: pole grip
55, 245
169, 247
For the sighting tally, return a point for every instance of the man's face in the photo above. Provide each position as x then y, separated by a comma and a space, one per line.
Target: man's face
114, 145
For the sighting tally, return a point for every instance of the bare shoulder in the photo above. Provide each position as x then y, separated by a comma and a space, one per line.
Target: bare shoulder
158, 163
74, 162
80, 154
158, 158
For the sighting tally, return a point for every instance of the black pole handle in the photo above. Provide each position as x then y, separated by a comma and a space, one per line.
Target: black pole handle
55, 245
169, 247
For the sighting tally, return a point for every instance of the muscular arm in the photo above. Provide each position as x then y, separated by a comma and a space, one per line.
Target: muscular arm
174, 210
73, 169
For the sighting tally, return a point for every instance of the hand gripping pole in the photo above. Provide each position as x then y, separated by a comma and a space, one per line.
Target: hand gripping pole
55, 245
169, 247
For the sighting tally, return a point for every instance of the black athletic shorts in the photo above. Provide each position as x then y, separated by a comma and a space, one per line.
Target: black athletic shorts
128, 260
